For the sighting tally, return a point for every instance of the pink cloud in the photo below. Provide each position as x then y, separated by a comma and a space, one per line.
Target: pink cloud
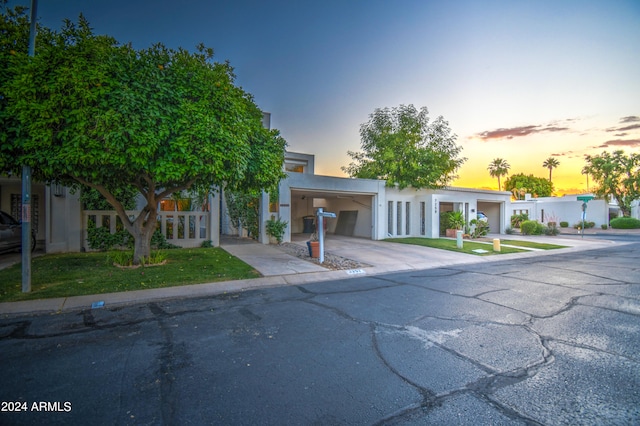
621, 142
513, 132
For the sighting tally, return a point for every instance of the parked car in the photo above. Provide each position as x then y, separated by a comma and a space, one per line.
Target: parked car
11, 234
482, 217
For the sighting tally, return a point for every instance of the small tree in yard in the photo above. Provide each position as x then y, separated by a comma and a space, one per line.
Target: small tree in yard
403, 147
520, 184
88, 111
617, 175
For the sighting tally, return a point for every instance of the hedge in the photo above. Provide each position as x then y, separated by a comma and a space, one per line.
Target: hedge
625, 223
532, 227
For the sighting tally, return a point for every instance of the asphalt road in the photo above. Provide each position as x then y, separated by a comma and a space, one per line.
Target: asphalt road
553, 340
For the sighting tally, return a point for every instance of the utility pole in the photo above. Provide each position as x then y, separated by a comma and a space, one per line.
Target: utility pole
26, 179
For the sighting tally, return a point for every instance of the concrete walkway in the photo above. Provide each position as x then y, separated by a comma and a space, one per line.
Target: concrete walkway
279, 268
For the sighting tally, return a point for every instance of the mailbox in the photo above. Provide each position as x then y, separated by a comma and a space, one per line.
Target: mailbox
321, 215
326, 214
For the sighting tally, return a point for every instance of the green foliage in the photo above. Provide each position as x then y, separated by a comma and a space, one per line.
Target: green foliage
125, 258
551, 229
616, 174
451, 220
102, 239
87, 110
498, 168
509, 231
550, 163
206, 244
517, 219
532, 227
91, 199
481, 228
456, 220
403, 147
604, 226
243, 209
587, 225
275, 228
521, 184
564, 224
625, 223
159, 241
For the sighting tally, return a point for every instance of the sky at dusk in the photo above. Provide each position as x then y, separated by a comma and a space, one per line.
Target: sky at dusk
519, 80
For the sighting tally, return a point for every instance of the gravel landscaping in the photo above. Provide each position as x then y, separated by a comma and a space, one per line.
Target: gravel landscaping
331, 261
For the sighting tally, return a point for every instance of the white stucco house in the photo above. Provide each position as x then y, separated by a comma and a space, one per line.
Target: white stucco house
364, 208
367, 208
567, 208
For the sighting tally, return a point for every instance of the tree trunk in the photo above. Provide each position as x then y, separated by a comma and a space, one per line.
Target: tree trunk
143, 231
141, 247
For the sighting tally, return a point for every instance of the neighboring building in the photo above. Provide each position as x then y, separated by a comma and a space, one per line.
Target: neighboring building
367, 208
56, 214
565, 209
364, 208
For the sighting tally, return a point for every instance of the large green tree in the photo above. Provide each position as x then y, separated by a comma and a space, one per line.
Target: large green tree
403, 147
616, 174
520, 184
498, 168
88, 111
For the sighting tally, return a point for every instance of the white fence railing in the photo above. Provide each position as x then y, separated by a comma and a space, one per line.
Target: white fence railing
182, 228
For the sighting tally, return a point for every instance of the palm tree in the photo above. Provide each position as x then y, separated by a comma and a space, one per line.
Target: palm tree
550, 163
497, 168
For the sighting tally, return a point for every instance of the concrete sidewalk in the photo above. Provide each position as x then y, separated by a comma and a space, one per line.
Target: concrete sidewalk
279, 268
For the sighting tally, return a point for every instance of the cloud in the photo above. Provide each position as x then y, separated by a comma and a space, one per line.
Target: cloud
630, 119
632, 127
624, 129
513, 132
620, 142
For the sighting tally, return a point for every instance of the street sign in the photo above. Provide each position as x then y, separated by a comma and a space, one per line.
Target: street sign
585, 198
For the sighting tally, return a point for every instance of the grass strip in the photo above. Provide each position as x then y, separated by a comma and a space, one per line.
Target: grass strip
76, 274
532, 244
449, 244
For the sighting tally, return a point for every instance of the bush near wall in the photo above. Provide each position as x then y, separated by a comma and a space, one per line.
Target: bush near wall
587, 225
564, 224
532, 227
625, 223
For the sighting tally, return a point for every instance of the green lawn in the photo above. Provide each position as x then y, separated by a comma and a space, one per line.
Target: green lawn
75, 274
531, 244
449, 244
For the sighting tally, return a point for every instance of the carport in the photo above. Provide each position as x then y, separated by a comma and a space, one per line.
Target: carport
495, 214
353, 201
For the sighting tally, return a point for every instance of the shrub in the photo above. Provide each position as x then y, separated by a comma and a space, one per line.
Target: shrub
603, 226
481, 228
275, 228
509, 231
517, 219
532, 227
564, 224
159, 241
625, 223
587, 225
551, 230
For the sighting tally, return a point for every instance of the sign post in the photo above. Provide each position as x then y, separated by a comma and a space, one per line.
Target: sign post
26, 180
585, 199
321, 215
